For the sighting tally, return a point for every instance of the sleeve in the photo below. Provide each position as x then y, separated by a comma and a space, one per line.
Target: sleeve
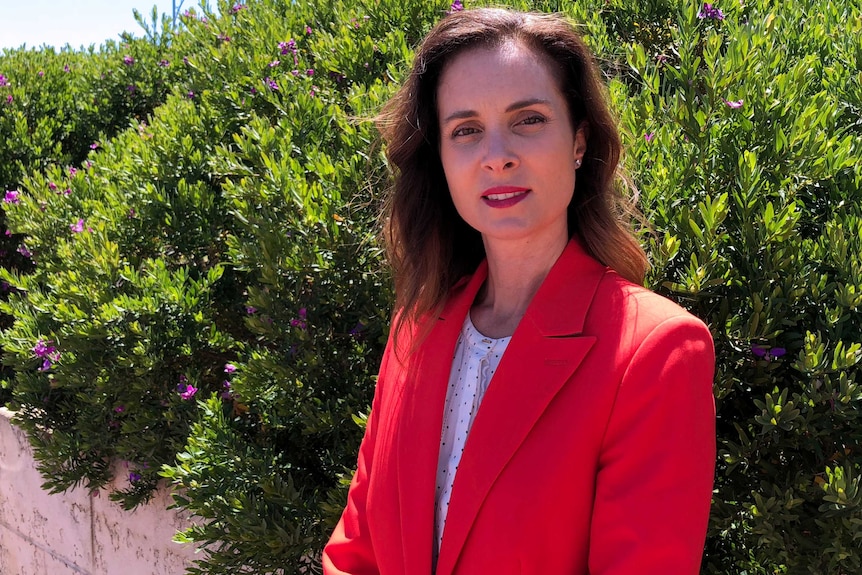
655, 474
350, 550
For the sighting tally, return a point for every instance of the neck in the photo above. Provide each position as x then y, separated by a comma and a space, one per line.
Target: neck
515, 273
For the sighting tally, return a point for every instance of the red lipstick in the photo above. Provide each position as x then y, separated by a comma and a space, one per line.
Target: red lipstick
504, 196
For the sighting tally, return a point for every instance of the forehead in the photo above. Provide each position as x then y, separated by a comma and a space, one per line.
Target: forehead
494, 77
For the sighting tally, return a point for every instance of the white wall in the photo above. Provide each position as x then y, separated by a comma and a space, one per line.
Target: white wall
79, 533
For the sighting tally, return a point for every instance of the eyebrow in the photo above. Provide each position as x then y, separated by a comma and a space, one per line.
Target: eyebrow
463, 114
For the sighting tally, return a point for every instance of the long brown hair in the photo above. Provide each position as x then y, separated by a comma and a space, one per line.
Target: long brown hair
428, 244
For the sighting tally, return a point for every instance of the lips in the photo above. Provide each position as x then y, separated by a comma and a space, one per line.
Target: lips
503, 192
504, 196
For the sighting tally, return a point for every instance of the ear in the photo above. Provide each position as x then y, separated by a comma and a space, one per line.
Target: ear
581, 135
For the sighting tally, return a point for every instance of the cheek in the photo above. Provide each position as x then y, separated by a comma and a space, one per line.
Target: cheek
454, 168
459, 186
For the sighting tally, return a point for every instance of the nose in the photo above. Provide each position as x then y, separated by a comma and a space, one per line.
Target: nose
499, 152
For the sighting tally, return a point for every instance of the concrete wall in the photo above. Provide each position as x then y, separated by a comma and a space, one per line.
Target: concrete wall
77, 532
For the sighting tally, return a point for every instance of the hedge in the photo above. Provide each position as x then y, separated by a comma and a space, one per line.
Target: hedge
56, 106
206, 299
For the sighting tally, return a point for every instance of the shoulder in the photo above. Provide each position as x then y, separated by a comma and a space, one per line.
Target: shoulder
634, 315
618, 296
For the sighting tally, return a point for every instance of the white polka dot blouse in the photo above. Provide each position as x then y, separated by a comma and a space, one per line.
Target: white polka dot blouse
475, 361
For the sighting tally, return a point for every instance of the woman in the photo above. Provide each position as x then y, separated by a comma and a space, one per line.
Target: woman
537, 411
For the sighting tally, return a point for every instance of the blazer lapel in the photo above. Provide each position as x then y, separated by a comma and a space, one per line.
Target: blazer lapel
544, 352
421, 423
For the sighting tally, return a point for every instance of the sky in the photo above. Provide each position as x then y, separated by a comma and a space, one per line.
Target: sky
76, 22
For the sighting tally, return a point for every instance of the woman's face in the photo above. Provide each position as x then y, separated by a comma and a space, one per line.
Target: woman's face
507, 144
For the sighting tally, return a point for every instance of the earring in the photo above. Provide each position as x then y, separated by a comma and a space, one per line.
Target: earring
577, 163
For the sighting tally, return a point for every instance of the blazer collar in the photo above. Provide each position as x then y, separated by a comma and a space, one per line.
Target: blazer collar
546, 348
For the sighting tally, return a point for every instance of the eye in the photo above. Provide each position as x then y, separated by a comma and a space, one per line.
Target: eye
464, 131
534, 119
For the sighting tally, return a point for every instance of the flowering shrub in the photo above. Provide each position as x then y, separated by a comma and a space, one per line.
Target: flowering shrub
750, 178
206, 300
58, 106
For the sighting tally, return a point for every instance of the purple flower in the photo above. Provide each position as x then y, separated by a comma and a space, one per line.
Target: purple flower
229, 368
132, 213
164, 63
271, 84
224, 37
66, 68
274, 63
72, 171
134, 477
186, 60
236, 8
457, 6
52, 186
120, 409
44, 349
308, 29
10, 99
767, 353
12, 197
295, 72
4, 81
94, 145
250, 309
77, 227
40, 73
734, 104
287, 47
191, 95
128, 60
22, 249
710, 12
309, 72
131, 88
357, 329
188, 392
300, 322
649, 137
226, 393
46, 352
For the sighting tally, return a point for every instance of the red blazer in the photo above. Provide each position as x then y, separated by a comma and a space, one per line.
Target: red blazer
593, 450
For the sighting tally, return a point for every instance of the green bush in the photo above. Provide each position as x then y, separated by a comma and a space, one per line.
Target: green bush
746, 146
208, 302
55, 107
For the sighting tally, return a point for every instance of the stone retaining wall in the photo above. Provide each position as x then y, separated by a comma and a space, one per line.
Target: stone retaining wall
77, 532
